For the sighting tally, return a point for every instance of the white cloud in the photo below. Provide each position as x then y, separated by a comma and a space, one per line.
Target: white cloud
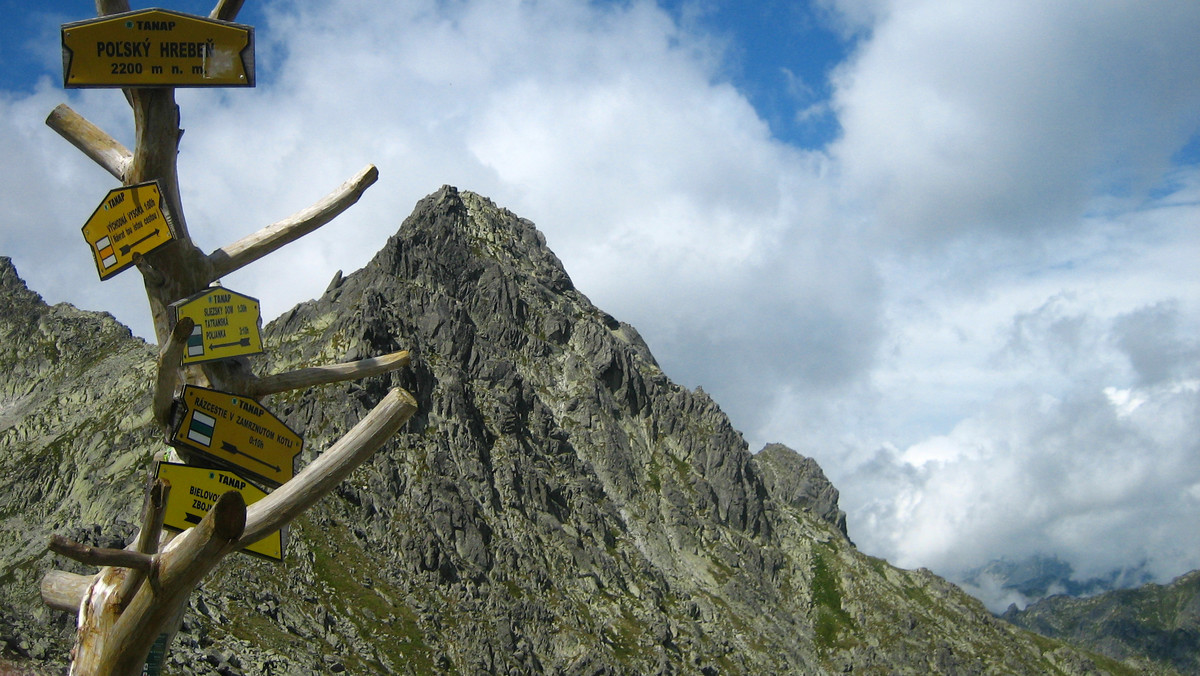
1032, 391
1012, 115
1075, 454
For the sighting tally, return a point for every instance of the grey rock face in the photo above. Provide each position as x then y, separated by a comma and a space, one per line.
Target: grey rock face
799, 482
557, 505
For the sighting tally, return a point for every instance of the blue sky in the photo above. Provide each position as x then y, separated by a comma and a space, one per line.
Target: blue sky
780, 56
946, 249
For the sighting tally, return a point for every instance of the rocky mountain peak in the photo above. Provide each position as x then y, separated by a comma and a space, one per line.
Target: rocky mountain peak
13, 290
557, 505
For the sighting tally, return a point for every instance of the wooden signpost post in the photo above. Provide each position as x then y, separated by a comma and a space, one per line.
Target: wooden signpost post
206, 399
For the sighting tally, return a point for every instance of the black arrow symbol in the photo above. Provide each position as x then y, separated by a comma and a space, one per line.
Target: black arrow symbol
128, 247
191, 518
230, 448
245, 342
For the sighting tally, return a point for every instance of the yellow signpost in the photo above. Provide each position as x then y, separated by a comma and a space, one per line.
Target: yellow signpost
227, 325
157, 48
195, 489
130, 220
237, 431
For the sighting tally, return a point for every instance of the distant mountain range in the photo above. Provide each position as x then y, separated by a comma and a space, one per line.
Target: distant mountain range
1155, 622
1007, 582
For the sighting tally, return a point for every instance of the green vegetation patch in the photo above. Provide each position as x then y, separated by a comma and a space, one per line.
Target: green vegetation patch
340, 566
834, 626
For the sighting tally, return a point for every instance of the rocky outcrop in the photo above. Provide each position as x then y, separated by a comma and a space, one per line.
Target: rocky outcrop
74, 414
799, 482
1156, 624
557, 505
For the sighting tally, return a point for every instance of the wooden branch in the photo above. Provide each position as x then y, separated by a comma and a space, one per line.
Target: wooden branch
253, 247
324, 375
181, 566
147, 540
226, 10
99, 556
150, 274
92, 140
289, 500
170, 370
152, 517
64, 591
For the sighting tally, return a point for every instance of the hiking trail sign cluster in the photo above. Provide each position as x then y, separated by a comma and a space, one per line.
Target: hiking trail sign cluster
237, 488
223, 430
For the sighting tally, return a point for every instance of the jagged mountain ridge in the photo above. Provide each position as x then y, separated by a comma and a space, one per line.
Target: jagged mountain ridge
557, 505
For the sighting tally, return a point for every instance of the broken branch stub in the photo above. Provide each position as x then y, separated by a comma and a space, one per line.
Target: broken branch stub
147, 538
91, 140
63, 591
99, 556
170, 370
226, 10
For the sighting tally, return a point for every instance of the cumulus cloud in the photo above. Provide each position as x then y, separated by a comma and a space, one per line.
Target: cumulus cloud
1033, 387
1082, 457
1010, 116
1157, 345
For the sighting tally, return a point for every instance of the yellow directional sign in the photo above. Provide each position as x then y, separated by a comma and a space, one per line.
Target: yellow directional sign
237, 431
157, 48
227, 325
194, 490
130, 220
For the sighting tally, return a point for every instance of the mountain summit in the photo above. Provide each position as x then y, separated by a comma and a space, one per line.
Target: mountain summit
557, 505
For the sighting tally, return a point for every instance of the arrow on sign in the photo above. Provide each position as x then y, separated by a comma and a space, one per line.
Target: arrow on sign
245, 342
192, 518
129, 247
230, 448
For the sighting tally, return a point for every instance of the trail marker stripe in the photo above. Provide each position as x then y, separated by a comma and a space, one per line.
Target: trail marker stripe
195, 343
202, 427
